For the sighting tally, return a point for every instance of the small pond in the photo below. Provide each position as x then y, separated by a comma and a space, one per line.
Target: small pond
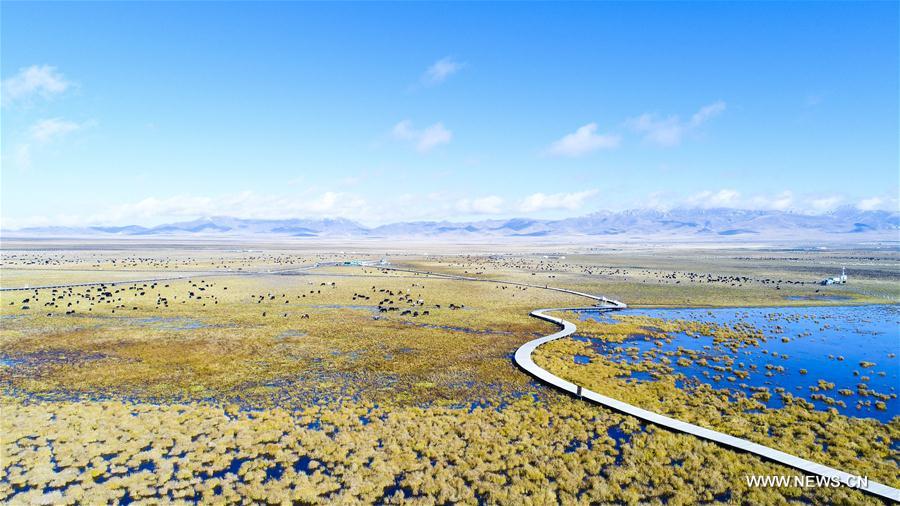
854, 347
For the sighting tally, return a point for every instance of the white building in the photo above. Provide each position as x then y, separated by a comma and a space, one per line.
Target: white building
837, 280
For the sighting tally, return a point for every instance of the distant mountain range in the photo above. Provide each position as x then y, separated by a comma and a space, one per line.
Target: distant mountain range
847, 224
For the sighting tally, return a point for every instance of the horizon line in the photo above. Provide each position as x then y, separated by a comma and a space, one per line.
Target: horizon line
485, 218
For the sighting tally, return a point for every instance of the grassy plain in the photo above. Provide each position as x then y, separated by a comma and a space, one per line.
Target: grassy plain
253, 379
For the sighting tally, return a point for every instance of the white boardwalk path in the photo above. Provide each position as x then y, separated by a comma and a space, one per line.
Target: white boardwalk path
523, 359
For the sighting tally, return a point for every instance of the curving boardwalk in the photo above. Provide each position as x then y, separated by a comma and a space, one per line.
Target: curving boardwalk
524, 360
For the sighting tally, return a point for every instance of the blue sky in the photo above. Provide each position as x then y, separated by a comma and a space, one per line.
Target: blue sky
153, 112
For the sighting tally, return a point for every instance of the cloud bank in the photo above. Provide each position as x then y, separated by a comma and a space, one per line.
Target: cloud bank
583, 141
36, 80
671, 130
424, 139
440, 70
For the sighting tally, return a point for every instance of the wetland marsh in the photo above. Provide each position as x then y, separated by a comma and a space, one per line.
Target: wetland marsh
357, 384
449, 253
809, 352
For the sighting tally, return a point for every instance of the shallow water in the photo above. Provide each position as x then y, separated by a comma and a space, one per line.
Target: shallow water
452, 328
47, 357
817, 338
159, 322
582, 359
817, 297
372, 309
169, 323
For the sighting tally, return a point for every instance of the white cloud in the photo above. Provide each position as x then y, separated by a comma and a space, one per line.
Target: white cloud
583, 141
709, 199
824, 204
885, 202
870, 204
243, 204
440, 70
50, 129
43, 80
432, 136
420, 206
404, 130
660, 131
43, 132
658, 200
424, 140
485, 205
555, 201
781, 202
402, 207
707, 112
671, 130
786, 201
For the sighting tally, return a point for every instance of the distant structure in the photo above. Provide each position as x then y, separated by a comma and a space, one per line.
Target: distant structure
837, 280
362, 263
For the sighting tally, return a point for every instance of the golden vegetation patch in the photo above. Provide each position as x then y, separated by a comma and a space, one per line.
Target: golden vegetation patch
564, 451
859, 445
254, 380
